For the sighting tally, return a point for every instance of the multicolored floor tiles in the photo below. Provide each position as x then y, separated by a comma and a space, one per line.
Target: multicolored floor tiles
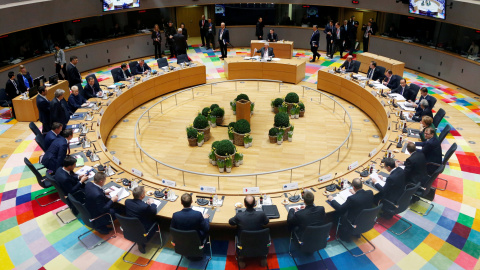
31, 237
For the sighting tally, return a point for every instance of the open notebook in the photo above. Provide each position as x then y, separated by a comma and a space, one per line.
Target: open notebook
120, 192
342, 196
379, 181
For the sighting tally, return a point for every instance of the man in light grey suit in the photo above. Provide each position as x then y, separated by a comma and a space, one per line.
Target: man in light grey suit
266, 52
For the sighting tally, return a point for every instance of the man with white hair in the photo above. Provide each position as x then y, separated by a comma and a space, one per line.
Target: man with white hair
59, 111
266, 52
75, 100
223, 40
180, 43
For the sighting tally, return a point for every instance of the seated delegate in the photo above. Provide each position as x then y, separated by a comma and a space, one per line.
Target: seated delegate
189, 219
311, 215
415, 166
393, 188
423, 111
272, 36
349, 64
266, 52
142, 67
76, 101
53, 134
56, 153
123, 75
97, 202
404, 91
91, 90
432, 150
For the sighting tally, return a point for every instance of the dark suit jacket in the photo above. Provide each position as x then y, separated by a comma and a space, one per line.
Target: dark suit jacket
90, 91
270, 52
68, 182
429, 100
394, 81
73, 75
348, 68
315, 39
189, 219
259, 29
310, 216
407, 93
58, 112
352, 33
249, 220
421, 113
56, 153
225, 36
210, 32
415, 168
432, 151
394, 186
343, 33
75, 102
180, 43
205, 25
330, 29
98, 204
140, 69
141, 210
22, 87
49, 138
118, 76
362, 199
272, 38
154, 36
11, 91
43, 106
376, 74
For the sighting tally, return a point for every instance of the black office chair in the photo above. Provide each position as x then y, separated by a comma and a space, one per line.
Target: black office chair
381, 70
34, 128
88, 220
434, 101
427, 193
134, 231
438, 117
42, 181
62, 196
356, 66
402, 205
133, 67
314, 238
4, 101
444, 133
189, 244
96, 83
363, 223
446, 157
114, 72
252, 244
415, 88
162, 62
41, 141
182, 58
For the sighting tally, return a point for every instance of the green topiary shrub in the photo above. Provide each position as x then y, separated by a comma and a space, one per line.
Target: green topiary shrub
273, 131
213, 106
206, 111
232, 124
242, 126
192, 133
242, 96
215, 144
281, 120
302, 106
200, 122
278, 102
292, 98
218, 112
225, 148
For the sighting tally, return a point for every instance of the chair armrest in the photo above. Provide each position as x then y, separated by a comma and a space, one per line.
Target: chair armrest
296, 237
93, 219
433, 163
385, 200
151, 228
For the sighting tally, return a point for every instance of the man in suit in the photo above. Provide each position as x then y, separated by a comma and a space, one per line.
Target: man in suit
59, 111
423, 95
373, 73
272, 36
58, 150
223, 40
329, 30
123, 75
68, 181
97, 203
311, 215
352, 37
53, 134
349, 64
12, 88
314, 42
359, 200
432, 150
338, 39
75, 100
188, 219
266, 52
415, 166
259, 29
404, 90
90, 90
43, 105
423, 111
203, 30
25, 81
142, 67
367, 32
346, 28
144, 211
73, 74
180, 43
169, 33
374, 26
393, 188
210, 34
391, 81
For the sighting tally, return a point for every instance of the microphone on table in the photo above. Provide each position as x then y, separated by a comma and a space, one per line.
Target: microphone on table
295, 197
332, 187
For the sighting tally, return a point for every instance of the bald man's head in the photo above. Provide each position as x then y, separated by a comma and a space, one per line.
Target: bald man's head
357, 184
249, 201
349, 58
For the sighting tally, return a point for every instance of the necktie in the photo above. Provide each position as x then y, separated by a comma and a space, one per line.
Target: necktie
14, 84
203, 22
403, 89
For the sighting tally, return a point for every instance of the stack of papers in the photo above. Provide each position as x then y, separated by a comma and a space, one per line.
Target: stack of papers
342, 196
200, 209
296, 207
156, 202
120, 192
80, 161
74, 141
379, 181
396, 96
379, 86
406, 106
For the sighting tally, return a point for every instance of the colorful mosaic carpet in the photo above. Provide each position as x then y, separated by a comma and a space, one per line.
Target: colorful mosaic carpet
32, 237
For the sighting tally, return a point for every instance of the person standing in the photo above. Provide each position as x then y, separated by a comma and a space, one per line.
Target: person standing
259, 29
184, 32
223, 40
43, 105
60, 62
314, 41
73, 76
329, 29
24, 79
203, 30
157, 41
180, 43
12, 89
169, 33
338, 40
59, 109
345, 28
367, 32
210, 36
352, 37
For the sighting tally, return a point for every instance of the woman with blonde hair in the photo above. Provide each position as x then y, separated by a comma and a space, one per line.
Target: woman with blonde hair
157, 41
426, 122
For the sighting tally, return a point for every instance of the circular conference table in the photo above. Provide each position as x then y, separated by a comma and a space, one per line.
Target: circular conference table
149, 88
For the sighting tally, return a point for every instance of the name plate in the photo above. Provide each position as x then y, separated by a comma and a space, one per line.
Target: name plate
104, 148
98, 134
137, 172
362, 84
101, 112
383, 103
348, 77
325, 177
331, 71
98, 121
144, 79
288, 186
169, 183
208, 189
388, 114
251, 190
116, 160
389, 123
374, 93
385, 139
130, 86
353, 165
108, 103
373, 152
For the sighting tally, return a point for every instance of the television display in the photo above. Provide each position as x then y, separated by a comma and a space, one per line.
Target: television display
429, 8
112, 5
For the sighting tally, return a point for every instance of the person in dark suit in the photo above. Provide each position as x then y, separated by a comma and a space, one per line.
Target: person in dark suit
426, 122
51, 136
123, 75
169, 33
97, 203
373, 73
184, 32
404, 90
90, 90
272, 36
43, 105
12, 88
349, 64
144, 211
180, 43
142, 67
223, 40
59, 111
189, 219
393, 188
73, 74
424, 111
338, 39
328, 31
58, 150
24, 79
311, 215
157, 41
68, 181
203, 30
210, 36
367, 32
346, 28
432, 150
374, 26
352, 37
391, 81
259, 29
415, 166
75, 100
266, 52
423, 95
314, 42
359, 200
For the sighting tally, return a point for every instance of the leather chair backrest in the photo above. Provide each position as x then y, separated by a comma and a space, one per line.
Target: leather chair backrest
60, 191
34, 128
366, 220
133, 229
444, 133
41, 141
314, 238
84, 215
35, 172
187, 243
182, 58
133, 67
449, 153
433, 177
438, 117
254, 243
381, 70
96, 83
434, 101
114, 72
356, 66
415, 88
162, 62
404, 201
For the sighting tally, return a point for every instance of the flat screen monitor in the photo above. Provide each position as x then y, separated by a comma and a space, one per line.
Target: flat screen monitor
53, 79
39, 81
33, 91
112, 5
430, 8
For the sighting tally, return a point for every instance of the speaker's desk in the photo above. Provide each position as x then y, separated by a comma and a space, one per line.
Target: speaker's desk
281, 49
395, 66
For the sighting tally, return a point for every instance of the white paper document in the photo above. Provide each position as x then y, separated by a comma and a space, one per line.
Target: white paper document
396, 96
200, 209
342, 196
120, 192
74, 141
380, 86
377, 179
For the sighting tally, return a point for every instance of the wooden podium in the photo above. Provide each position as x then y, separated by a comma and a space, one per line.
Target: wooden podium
243, 109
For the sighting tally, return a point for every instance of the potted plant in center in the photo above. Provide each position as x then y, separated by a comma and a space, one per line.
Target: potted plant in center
224, 149
239, 130
192, 135
281, 121
218, 113
201, 124
291, 99
272, 134
277, 103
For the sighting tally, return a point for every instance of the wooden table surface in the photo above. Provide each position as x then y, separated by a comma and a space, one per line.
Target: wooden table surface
397, 67
281, 49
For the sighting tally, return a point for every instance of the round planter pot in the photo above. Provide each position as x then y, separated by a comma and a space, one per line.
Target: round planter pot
272, 139
192, 142
200, 143
213, 125
279, 142
241, 162
221, 170
302, 113
205, 131
229, 170
214, 162
285, 135
234, 112
238, 139
224, 157
237, 164
219, 121
290, 106
290, 139
275, 110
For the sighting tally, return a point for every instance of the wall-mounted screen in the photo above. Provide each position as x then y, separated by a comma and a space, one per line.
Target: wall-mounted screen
429, 8
112, 5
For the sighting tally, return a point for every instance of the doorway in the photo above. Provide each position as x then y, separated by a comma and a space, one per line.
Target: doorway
190, 15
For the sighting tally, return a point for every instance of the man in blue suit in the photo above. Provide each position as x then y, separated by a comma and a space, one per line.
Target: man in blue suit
424, 110
97, 203
314, 42
123, 74
75, 100
43, 105
142, 67
53, 134
223, 40
424, 95
68, 181
58, 150
393, 188
91, 89
432, 150
189, 219
59, 111
391, 81
144, 211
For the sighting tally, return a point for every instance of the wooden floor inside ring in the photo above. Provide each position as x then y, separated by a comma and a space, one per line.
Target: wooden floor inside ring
316, 135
